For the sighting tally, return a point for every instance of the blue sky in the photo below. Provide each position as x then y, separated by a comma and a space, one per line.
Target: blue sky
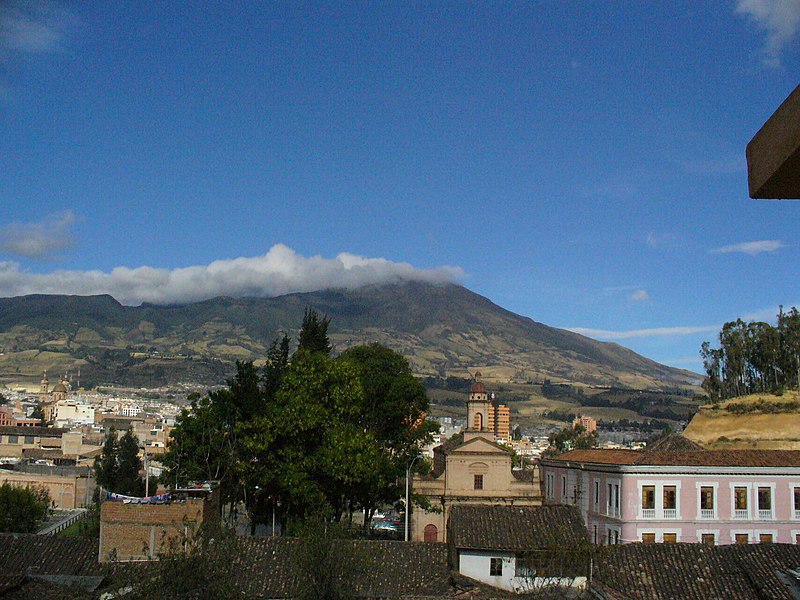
580, 163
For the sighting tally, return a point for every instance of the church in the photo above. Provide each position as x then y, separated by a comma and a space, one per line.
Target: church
471, 468
49, 398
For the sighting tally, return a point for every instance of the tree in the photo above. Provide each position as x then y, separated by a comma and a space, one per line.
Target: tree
753, 357
118, 466
105, 465
570, 438
22, 508
129, 465
393, 411
314, 333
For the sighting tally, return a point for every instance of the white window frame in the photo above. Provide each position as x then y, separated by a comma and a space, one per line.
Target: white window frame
611, 529
735, 532
749, 487
614, 509
794, 512
773, 501
714, 532
596, 499
712, 484
757, 535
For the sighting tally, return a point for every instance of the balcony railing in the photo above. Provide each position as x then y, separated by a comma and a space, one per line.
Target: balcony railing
670, 513
741, 513
764, 514
648, 513
797, 513
707, 513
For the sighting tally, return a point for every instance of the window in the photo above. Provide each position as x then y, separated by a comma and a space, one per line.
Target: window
670, 497
597, 494
670, 538
648, 538
12, 439
478, 482
495, 567
707, 502
708, 539
648, 497
740, 502
742, 538
765, 538
478, 421
594, 534
549, 485
797, 503
28, 439
764, 503
563, 486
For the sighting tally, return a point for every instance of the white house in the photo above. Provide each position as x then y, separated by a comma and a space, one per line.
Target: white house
519, 548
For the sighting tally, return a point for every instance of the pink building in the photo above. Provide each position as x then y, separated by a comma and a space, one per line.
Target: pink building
678, 492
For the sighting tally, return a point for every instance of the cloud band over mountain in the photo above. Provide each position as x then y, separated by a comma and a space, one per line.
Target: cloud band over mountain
279, 271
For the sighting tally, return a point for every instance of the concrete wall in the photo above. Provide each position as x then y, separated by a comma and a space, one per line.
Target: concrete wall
65, 491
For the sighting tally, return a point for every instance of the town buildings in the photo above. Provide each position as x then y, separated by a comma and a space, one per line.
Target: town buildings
471, 468
678, 492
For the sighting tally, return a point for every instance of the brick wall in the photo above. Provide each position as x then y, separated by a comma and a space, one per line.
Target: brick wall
142, 531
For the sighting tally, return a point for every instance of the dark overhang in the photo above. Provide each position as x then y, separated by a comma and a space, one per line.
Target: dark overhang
773, 155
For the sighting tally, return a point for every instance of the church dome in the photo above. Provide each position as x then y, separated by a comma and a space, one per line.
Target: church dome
60, 387
477, 387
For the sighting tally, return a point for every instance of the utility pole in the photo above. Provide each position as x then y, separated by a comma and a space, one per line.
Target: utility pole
408, 489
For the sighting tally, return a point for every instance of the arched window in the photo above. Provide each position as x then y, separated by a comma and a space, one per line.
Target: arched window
478, 421
431, 533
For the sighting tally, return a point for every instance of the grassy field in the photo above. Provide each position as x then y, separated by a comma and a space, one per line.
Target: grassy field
741, 423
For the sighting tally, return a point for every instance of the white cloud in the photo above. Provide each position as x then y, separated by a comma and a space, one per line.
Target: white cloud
279, 271
640, 296
43, 239
640, 333
34, 26
751, 248
779, 18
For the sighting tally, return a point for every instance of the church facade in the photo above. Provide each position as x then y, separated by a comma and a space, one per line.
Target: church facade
470, 469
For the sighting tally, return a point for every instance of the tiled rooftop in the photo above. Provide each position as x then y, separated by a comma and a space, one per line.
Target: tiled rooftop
668, 571
516, 528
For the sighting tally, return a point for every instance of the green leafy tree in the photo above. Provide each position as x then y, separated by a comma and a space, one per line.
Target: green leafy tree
393, 411
22, 509
570, 438
753, 357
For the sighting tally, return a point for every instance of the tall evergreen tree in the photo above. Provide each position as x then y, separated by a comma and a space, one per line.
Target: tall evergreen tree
314, 333
129, 465
105, 465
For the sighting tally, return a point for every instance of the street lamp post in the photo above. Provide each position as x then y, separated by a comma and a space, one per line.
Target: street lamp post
408, 480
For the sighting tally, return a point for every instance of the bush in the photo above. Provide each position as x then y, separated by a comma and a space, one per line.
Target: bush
22, 508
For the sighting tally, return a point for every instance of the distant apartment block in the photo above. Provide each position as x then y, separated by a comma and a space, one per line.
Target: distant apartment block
678, 492
588, 423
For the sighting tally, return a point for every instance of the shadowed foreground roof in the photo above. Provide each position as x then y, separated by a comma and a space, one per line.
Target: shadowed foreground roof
515, 528
667, 571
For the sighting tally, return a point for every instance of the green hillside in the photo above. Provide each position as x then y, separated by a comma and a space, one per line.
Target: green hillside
444, 330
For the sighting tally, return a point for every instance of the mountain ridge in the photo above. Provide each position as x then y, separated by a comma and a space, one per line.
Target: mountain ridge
443, 329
